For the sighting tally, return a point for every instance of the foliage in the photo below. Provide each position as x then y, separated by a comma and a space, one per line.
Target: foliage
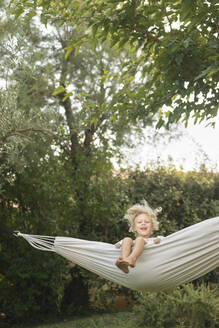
32, 279
51, 170
184, 307
65, 97
41, 199
185, 197
27, 204
21, 121
174, 45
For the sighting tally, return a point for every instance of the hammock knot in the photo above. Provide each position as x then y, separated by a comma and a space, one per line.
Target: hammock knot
17, 233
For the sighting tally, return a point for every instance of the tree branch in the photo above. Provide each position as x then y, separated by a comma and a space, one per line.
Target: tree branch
66, 104
22, 131
89, 132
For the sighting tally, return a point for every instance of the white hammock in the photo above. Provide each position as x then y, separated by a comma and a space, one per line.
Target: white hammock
181, 257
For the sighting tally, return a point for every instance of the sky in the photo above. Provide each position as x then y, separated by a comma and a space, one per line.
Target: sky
189, 148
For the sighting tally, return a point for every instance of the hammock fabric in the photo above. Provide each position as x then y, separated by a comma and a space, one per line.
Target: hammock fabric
181, 257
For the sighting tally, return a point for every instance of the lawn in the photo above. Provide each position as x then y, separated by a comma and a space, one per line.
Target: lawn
116, 320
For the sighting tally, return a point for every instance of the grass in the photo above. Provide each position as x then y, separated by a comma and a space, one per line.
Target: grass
115, 320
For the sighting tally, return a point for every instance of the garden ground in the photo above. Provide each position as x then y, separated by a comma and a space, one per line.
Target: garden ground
113, 320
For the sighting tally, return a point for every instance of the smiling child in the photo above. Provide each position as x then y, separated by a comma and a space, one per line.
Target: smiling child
142, 221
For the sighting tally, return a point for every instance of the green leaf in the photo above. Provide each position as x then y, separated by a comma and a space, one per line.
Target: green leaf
212, 71
67, 95
123, 42
69, 49
179, 59
18, 12
160, 123
58, 90
94, 29
202, 74
187, 8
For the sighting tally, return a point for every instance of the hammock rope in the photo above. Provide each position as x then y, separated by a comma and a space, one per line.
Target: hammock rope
42, 243
181, 257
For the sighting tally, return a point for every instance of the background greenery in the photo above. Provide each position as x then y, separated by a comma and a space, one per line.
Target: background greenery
76, 78
45, 284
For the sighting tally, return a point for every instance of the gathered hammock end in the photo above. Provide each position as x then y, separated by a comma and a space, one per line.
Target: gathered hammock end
180, 257
42, 243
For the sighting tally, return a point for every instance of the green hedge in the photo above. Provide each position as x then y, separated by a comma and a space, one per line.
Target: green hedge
186, 197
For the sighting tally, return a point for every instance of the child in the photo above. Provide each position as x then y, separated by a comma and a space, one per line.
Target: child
142, 221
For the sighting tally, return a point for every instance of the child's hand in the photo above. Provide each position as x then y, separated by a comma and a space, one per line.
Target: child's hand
157, 241
117, 245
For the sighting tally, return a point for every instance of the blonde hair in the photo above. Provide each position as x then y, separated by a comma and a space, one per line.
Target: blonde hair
142, 207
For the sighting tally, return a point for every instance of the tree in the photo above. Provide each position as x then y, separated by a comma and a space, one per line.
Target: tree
81, 82
55, 152
59, 108
21, 118
176, 48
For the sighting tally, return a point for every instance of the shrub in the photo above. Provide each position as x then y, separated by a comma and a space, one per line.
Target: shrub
106, 296
186, 306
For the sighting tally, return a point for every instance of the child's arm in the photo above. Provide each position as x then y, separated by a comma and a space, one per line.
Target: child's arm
158, 239
118, 245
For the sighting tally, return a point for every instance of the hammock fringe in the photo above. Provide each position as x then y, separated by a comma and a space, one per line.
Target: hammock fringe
42, 243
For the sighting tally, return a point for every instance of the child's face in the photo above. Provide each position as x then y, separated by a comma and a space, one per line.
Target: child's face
143, 225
